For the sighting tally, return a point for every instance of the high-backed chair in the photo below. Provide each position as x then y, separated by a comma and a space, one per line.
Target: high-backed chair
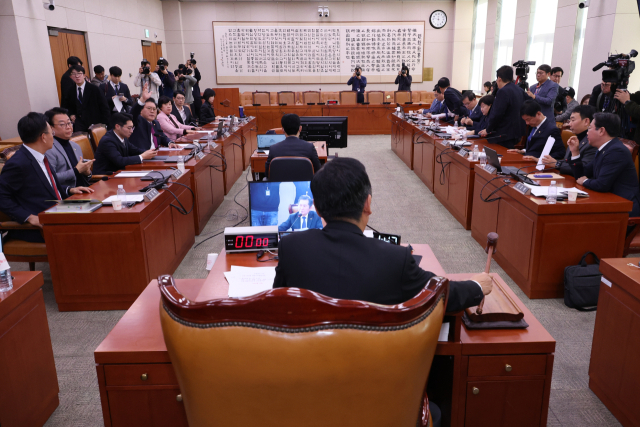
290, 169
427, 97
246, 98
290, 357
416, 96
261, 98
632, 146
348, 97
97, 131
375, 97
286, 98
273, 96
82, 139
402, 96
19, 250
326, 96
566, 134
310, 97
275, 131
389, 96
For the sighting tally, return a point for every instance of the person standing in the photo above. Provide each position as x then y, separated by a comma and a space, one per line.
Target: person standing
358, 82
99, 76
545, 92
404, 79
113, 89
147, 77
86, 103
66, 82
197, 96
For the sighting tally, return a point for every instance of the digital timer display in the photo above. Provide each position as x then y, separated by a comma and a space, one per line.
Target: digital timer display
251, 242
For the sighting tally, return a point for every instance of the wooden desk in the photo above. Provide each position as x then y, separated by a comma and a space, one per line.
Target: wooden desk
206, 181
11, 141
538, 240
402, 139
136, 346
29, 392
258, 160
104, 259
613, 372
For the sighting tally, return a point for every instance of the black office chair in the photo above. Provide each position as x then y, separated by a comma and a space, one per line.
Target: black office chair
290, 169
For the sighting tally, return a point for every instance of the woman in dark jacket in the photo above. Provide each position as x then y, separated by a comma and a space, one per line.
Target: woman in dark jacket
207, 115
485, 106
404, 79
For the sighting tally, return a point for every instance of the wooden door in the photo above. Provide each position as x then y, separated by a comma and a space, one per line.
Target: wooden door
66, 44
152, 53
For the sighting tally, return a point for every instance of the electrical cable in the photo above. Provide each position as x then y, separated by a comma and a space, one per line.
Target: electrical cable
487, 199
373, 228
182, 209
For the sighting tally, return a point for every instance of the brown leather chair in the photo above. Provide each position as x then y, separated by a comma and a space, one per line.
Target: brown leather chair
290, 357
402, 96
632, 146
261, 98
246, 98
375, 97
416, 96
389, 96
82, 139
310, 97
348, 97
286, 98
566, 134
290, 168
20, 250
326, 96
97, 131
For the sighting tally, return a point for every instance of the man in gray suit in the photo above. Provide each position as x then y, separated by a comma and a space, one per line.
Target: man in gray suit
579, 123
545, 92
65, 158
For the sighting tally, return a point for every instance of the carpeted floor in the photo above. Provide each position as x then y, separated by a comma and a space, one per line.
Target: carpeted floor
402, 205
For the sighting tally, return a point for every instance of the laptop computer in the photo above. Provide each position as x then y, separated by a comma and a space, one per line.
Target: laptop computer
494, 160
266, 141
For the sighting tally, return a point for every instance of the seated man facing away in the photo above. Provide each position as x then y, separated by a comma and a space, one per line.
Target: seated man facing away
293, 146
579, 122
541, 129
612, 170
340, 262
115, 151
28, 184
304, 219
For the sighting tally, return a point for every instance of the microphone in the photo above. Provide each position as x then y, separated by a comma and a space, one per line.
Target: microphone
597, 67
294, 222
105, 178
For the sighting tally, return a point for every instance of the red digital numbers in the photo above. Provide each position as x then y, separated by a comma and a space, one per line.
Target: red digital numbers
249, 242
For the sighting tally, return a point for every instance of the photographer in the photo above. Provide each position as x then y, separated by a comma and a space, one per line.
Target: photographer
631, 103
197, 96
560, 104
404, 78
166, 76
358, 82
185, 83
146, 76
545, 92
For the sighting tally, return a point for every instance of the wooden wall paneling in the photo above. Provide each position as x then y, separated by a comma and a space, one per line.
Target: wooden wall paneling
77, 47
183, 225
160, 243
59, 56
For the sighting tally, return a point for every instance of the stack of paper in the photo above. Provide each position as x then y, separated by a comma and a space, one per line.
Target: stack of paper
128, 198
132, 174
247, 281
544, 191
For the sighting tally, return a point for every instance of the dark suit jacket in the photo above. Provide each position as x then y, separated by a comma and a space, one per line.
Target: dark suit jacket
176, 114
25, 190
207, 115
453, 101
504, 117
141, 136
66, 82
293, 147
480, 124
536, 144
475, 114
112, 155
612, 171
93, 109
587, 154
294, 222
340, 262
109, 92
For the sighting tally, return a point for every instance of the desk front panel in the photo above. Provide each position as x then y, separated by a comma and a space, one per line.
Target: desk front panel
250, 141
402, 134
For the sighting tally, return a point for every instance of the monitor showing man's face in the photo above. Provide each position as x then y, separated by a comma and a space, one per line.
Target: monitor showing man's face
303, 207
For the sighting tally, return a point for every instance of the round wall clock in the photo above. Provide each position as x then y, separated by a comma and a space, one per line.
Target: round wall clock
438, 19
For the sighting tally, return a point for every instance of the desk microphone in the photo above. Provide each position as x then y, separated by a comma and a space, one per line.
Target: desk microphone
104, 178
294, 222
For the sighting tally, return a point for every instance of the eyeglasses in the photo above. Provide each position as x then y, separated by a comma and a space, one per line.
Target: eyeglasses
76, 74
65, 124
150, 108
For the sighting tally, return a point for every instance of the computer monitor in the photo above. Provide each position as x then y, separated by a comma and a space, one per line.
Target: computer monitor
266, 141
287, 204
331, 129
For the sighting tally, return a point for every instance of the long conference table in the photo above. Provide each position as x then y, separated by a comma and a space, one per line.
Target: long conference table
479, 377
537, 240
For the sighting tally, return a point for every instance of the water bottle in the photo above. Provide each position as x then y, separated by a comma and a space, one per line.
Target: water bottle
122, 198
181, 163
6, 283
475, 152
455, 124
552, 196
241, 112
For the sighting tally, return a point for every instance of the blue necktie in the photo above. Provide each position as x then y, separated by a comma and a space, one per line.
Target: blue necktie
531, 134
304, 222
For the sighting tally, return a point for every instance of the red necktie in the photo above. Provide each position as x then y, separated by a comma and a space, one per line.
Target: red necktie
153, 135
53, 182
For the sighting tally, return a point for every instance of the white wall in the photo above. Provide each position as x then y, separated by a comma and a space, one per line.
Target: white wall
188, 27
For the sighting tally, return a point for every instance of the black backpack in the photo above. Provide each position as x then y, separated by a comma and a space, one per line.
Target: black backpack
582, 284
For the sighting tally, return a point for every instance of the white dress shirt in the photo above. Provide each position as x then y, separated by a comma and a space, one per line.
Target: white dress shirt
40, 159
182, 113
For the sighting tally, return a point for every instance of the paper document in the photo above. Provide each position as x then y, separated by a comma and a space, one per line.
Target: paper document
117, 103
545, 152
540, 191
211, 259
132, 174
247, 281
444, 332
171, 149
128, 198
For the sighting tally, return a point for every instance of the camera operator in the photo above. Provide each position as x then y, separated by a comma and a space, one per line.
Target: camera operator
146, 76
570, 102
631, 103
166, 76
545, 92
560, 104
358, 82
197, 95
404, 78
185, 83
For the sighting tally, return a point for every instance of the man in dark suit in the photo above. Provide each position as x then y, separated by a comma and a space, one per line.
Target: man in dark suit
474, 112
541, 129
66, 82
112, 90
115, 151
179, 110
28, 185
612, 170
452, 98
292, 146
304, 219
340, 262
85, 102
148, 134
505, 122
579, 122
197, 96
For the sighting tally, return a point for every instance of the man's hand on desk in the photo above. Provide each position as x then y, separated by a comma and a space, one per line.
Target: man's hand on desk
80, 190
149, 154
174, 145
529, 158
466, 121
428, 115
581, 180
574, 145
515, 150
483, 133
485, 281
33, 220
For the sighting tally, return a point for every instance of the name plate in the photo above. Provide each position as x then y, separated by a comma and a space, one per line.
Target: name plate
152, 194
521, 188
490, 169
200, 155
226, 135
177, 174
463, 152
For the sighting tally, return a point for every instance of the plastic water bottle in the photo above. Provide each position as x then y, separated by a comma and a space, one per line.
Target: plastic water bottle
181, 163
6, 283
552, 196
455, 124
475, 152
122, 196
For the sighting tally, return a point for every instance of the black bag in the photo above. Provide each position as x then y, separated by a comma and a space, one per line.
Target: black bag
582, 284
